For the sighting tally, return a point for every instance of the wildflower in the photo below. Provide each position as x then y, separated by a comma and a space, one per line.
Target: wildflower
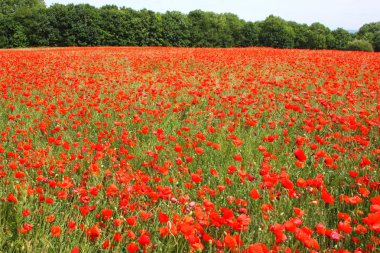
55, 231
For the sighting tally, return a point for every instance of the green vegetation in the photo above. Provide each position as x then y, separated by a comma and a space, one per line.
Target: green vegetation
360, 45
29, 23
376, 41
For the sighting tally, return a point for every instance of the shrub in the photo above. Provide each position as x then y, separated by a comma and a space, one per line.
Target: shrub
359, 45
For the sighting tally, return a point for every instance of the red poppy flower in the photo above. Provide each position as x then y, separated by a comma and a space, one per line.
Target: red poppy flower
56, 231
132, 247
254, 194
144, 240
300, 155
75, 250
12, 198
163, 217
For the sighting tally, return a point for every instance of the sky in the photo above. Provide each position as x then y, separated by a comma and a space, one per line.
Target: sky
347, 14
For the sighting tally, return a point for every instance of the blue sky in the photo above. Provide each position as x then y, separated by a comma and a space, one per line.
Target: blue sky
348, 14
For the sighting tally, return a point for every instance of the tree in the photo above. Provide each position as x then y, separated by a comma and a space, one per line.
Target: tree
230, 30
367, 31
85, 25
74, 25
175, 29
9, 7
5, 32
301, 33
12, 34
359, 45
250, 34
204, 29
151, 28
376, 41
30, 23
111, 26
16, 19
275, 32
61, 24
19, 38
318, 36
35, 24
341, 38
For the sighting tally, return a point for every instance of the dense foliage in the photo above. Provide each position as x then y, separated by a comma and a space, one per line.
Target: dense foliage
359, 45
133, 149
26, 23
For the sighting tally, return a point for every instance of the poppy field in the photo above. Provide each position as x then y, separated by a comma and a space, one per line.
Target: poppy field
189, 150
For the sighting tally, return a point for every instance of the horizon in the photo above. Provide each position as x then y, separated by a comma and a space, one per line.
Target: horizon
347, 14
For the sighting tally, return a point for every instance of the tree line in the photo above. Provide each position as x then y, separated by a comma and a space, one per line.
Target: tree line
29, 23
